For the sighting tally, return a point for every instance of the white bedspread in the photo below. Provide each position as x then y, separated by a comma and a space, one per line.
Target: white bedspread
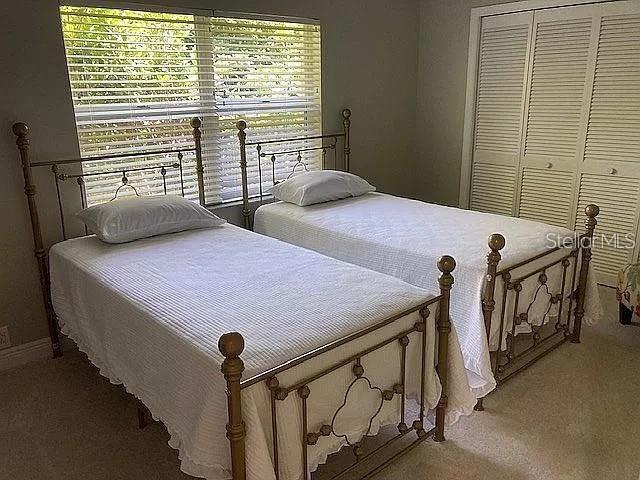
404, 238
149, 314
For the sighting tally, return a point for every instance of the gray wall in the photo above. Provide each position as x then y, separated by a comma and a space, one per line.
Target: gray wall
442, 82
370, 49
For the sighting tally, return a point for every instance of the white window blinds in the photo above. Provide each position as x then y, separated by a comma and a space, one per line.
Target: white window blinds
267, 73
137, 78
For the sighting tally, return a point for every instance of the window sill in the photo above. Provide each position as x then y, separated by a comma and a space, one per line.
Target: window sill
253, 202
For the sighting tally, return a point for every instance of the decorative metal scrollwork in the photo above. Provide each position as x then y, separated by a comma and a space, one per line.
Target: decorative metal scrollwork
332, 428
536, 325
273, 156
543, 286
274, 385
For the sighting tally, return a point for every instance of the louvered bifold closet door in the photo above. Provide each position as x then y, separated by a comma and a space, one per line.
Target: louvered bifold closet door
504, 44
617, 198
556, 107
610, 172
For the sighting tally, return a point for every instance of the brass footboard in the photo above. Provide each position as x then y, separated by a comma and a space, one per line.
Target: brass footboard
231, 345
570, 309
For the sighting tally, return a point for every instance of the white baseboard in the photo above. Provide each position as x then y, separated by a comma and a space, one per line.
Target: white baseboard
28, 352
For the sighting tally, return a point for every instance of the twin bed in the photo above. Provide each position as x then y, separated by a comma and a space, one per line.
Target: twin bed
400, 237
262, 357
517, 297
149, 314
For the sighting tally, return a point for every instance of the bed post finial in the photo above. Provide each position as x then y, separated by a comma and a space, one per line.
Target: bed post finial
446, 265
231, 346
591, 211
346, 123
21, 131
242, 138
496, 243
196, 124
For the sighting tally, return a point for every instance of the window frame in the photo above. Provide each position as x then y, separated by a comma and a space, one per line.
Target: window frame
225, 107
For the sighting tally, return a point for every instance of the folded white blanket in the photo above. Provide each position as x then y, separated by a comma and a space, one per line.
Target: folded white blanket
149, 315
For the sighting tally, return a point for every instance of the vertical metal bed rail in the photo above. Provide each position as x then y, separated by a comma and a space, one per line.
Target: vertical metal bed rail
54, 171
83, 195
496, 243
22, 133
591, 211
346, 124
446, 265
242, 138
506, 287
196, 123
231, 346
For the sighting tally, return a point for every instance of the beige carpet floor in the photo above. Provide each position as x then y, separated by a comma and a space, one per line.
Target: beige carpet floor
573, 415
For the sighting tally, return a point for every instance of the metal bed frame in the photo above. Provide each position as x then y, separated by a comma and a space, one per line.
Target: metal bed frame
515, 358
231, 344
21, 131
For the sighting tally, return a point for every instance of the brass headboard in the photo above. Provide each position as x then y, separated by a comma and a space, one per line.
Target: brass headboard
261, 153
21, 130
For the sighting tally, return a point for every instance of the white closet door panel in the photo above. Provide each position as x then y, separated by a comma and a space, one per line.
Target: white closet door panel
613, 132
558, 73
546, 195
618, 199
561, 68
492, 188
501, 83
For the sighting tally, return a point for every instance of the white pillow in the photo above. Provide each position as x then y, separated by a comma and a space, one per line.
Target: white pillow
309, 188
130, 218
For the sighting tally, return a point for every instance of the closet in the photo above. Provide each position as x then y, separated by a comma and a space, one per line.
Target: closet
557, 122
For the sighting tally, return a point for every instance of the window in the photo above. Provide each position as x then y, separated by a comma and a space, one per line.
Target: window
137, 77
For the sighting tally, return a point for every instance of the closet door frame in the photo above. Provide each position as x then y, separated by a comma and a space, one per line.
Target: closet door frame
473, 60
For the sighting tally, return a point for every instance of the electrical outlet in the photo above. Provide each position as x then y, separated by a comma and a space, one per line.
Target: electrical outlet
5, 340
